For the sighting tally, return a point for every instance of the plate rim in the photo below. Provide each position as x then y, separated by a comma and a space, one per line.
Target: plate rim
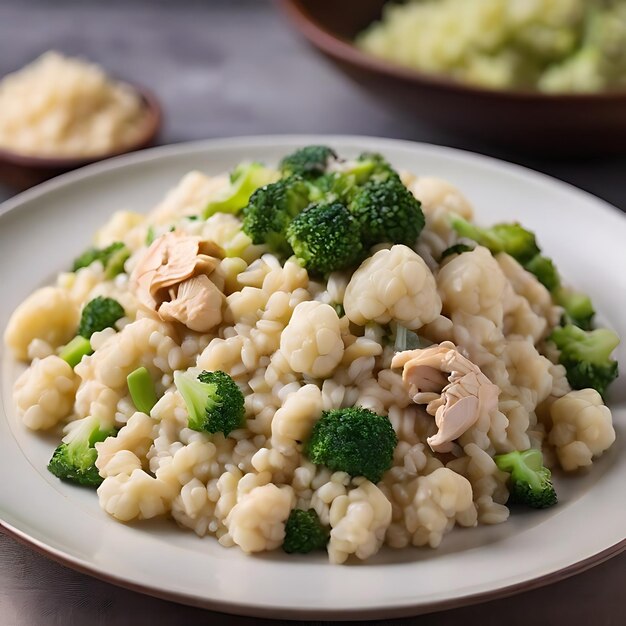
347, 614
249, 607
198, 145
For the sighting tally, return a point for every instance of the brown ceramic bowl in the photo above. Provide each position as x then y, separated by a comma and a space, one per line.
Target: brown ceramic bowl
20, 171
563, 124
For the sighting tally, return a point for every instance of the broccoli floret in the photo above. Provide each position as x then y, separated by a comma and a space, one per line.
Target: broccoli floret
308, 162
98, 314
387, 212
513, 239
270, 211
344, 182
75, 458
545, 271
325, 238
578, 308
529, 481
244, 181
371, 166
73, 352
332, 187
304, 532
214, 402
458, 248
586, 356
141, 389
112, 258
353, 440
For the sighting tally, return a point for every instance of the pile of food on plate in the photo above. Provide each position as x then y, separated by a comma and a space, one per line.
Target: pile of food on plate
324, 355
545, 45
60, 107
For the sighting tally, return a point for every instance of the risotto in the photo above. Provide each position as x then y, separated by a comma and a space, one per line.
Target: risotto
323, 355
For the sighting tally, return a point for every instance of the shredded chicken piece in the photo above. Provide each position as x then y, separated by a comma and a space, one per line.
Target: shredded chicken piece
454, 389
172, 278
197, 304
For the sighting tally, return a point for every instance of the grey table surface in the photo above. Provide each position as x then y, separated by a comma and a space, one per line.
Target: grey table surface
235, 68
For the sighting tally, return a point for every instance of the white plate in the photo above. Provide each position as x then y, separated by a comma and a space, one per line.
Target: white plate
43, 229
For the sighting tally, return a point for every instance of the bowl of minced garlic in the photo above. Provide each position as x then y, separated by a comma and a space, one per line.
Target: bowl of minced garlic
59, 113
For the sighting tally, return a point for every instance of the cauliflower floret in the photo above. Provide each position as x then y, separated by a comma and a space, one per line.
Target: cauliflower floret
257, 521
437, 194
359, 521
122, 226
193, 508
135, 496
94, 398
189, 197
44, 393
439, 200
281, 467
441, 499
295, 418
225, 230
529, 372
582, 428
488, 483
312, 342
520, 319
528, 287
473, 283
120, 462
193, 461
136, 437
49, 314
81, 284
393, 284
144, 342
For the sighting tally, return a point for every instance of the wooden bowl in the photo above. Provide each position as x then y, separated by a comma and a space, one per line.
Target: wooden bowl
554, 125
21, 171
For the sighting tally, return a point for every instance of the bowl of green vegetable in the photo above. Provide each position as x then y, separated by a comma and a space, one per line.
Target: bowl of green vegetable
544, 78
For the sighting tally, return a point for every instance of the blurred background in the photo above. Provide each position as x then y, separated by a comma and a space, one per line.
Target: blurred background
223, 68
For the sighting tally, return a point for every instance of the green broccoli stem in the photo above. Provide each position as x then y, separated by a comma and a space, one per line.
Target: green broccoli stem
214, 401
150, 235
245, 180
593, 346
405, 339
116, 263
529, 481
142, 391
577, 306
198, 397
75, 350
522, 465
74, 459
513, 239
605, 342
470, 231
